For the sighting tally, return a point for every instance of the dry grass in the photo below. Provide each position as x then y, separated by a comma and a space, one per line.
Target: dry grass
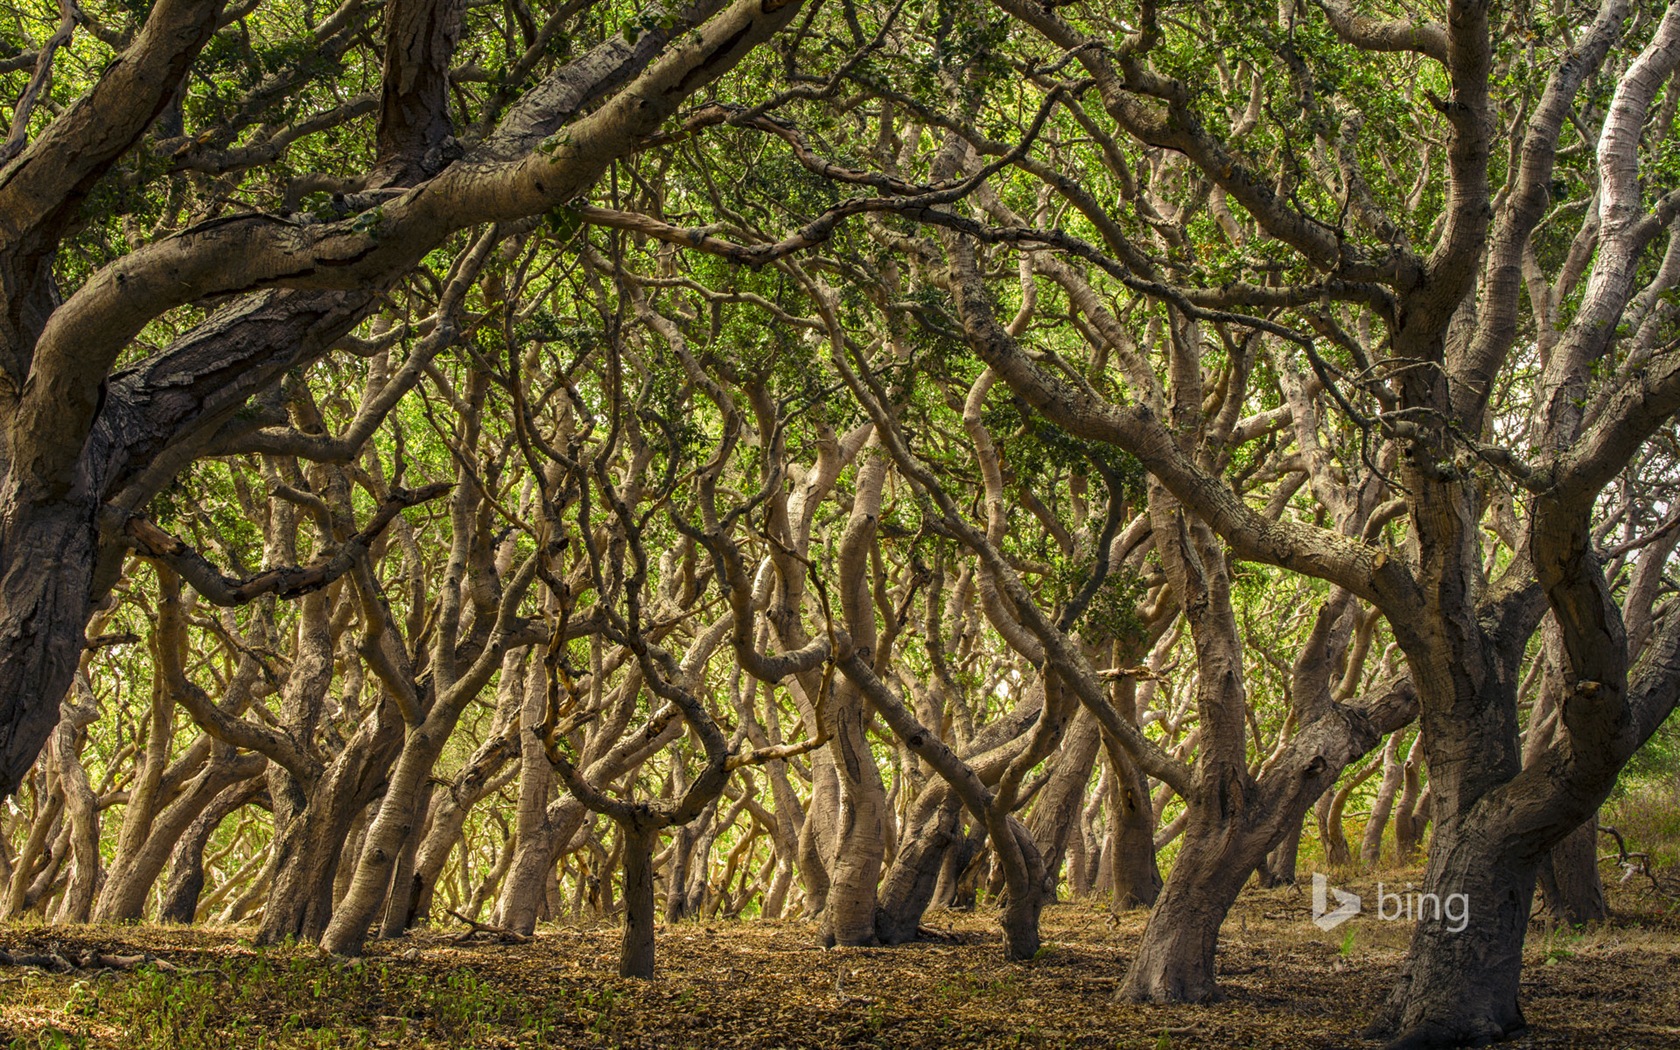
1287, 985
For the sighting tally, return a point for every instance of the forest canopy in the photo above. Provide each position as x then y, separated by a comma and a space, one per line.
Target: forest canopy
837, 459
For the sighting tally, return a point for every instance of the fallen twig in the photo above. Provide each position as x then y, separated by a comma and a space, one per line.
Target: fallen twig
501, 933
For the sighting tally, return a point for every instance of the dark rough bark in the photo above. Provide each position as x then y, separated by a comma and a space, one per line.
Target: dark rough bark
96, 439
420, 38
54, 565
186, 862
930, 831
1279, 868
636, 956
1459, 987
1055, 815
1133, 877
1570, 884
46, 565
1175, 960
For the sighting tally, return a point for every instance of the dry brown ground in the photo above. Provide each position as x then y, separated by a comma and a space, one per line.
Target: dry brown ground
762, 984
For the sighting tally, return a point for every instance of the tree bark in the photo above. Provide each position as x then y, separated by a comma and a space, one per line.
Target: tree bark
1056, 811
186, 861
636, 955
1133, 877
1394, 770
1570, 884
1175, 960
930, 831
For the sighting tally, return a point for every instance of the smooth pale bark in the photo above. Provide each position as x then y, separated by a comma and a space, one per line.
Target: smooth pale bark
36, 855
81, 805
487, 773
1393, 772
855, 861
313, 825
120, 900
1411, 814
1222, 842
687, 889
130, 882
546, 831
404, 888
535, 825
1054, 820
816, 835
855, 857
400, 807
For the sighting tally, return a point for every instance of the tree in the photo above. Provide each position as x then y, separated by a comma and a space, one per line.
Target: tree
87, 444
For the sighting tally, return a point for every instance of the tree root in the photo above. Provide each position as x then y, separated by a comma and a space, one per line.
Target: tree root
56, 961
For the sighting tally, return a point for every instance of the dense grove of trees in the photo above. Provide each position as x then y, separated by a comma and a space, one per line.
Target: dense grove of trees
834, 458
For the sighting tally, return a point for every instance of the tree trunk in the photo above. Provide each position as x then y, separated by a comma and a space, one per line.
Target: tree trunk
486, 772
816, 834
861, 827
311, 826
448, 816
404, 890
1175, 960
46, 574
388, 833
534, 825
1569, 880
132, 876
81, 805
954, 890
1028, 889
1133, 877
1055, 816
1332, 837
1412, 817
854, 867
1279, 868
305, 859
636, 956
909, 886
1460, 981
1394, 769
186, 863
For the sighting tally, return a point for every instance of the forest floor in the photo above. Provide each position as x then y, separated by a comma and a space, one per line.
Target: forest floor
764, 984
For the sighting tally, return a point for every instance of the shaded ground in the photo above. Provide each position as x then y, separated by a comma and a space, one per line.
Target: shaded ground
1288, 985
